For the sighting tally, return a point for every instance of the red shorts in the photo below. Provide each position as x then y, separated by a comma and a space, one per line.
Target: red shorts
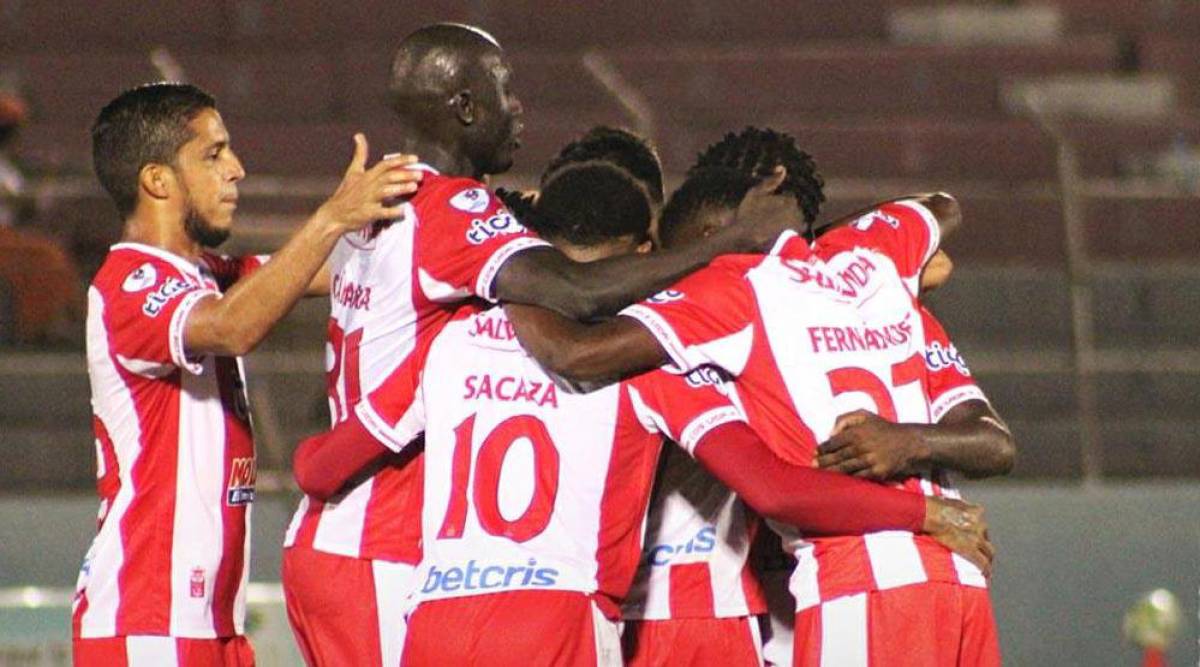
162, 651
346, 611
924, 625
517, 628
698, 642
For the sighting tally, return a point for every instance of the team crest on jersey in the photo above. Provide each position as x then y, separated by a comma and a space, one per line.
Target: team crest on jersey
938, 358
471, 200
142, 277
171, 288
243, 473
666, 296
499, 224
864, 223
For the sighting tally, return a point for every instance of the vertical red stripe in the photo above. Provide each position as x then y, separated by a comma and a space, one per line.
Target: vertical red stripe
845, 566
239, 444
691, 591
806, 641
392, 525
626, 496
108, 484
144, 580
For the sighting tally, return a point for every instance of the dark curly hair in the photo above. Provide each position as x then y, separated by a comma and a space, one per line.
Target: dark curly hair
756, 152
588, 203
628, 150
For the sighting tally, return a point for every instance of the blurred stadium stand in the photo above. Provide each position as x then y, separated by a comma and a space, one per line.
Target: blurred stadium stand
890, 96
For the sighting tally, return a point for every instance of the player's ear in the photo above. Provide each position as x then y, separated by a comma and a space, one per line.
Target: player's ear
156, 180
464, 107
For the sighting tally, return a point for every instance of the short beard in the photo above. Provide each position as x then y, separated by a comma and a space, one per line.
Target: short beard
198, 229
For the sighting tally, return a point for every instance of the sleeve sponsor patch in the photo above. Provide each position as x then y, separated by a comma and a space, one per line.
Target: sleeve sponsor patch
140, 278
471, 200
171, 288
939, 357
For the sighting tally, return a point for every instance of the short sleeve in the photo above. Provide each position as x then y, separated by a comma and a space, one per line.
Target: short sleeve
684, 408
145, 312
905, 231
464, 235
707, 318
228, 270
950, 381
394, 412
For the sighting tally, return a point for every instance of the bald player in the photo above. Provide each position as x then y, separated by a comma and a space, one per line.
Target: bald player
349, 561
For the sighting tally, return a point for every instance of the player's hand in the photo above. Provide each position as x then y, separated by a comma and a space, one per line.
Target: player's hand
763, 215
961, 528
865, 445
367, 195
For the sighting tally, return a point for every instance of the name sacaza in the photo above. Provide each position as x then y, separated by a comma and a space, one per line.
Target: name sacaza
509, 388
476, 578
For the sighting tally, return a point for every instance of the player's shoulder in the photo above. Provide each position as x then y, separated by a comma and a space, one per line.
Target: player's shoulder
455, 193
133, 268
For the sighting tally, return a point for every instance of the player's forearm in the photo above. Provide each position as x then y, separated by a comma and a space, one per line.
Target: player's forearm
582, 352
586, 290
815, 501
972, 440
323, 464
945, 209
239, 320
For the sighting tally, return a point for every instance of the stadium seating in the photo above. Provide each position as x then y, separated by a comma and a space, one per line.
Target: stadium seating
296, 79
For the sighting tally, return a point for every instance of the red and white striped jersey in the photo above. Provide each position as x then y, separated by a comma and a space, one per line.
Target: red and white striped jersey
528, 486
175, 455
810, 334
393, 285
695, 563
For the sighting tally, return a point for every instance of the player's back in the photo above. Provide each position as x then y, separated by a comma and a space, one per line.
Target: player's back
527, 486
394, 285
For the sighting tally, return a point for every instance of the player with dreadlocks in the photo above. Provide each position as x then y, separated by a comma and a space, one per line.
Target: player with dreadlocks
757, 152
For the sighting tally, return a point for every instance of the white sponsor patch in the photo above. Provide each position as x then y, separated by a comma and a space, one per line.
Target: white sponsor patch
471, 200
141, 278
864, 223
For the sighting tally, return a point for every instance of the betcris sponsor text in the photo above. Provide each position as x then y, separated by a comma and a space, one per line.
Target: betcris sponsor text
703, 542
478, 577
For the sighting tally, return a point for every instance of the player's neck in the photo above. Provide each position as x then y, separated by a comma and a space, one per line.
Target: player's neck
440, 154
159, 233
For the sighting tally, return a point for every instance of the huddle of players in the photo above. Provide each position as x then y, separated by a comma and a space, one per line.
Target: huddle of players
532, 497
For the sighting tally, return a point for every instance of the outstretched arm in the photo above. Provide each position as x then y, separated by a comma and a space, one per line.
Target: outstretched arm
821, 502
585, 353
971, 439
585, 290
943, 206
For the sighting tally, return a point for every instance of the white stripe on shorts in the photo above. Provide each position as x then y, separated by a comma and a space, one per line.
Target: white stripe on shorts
393, 586
608, 640
151, 651
844, 632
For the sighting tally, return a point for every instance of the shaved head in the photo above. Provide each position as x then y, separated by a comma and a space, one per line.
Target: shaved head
449, 83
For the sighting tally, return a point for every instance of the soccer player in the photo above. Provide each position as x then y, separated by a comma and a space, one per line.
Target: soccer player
535, 497
165, 578
397, 283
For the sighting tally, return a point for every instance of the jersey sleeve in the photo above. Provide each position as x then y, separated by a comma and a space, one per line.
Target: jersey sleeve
464, 235
394, 412
707, 318
905, 231
145, 312
684, 408
950, 381
228, 270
